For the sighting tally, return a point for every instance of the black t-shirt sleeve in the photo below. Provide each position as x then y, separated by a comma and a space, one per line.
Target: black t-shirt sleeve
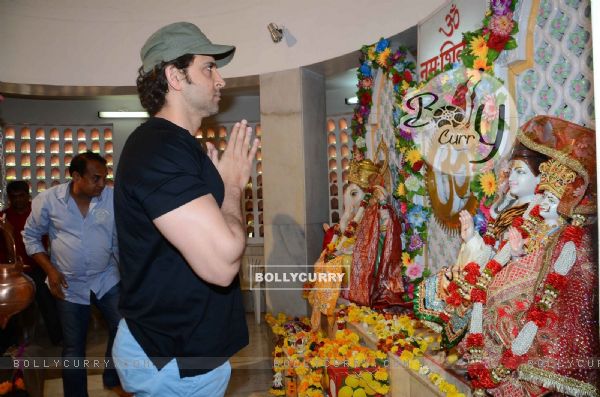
174, 177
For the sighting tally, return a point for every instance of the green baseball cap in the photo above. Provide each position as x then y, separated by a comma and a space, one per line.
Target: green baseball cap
180, 38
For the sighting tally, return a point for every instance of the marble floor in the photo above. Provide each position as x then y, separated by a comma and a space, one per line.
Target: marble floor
251, 367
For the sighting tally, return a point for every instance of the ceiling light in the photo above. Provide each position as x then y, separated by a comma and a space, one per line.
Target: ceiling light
123, 115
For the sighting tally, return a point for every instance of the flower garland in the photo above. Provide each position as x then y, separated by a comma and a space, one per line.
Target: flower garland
307, 354
410, 181
410, 191
395, 66
538, 315
483, 46
12, 386
396, 335
473, 285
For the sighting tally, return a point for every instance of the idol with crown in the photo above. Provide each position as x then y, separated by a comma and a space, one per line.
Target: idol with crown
365, 245
533, 328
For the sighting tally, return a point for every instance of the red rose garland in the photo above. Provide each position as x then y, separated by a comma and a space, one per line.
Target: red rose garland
539, 313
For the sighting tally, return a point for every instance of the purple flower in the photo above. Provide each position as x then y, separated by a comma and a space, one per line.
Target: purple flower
480, 222
501, 7
364, 111
415, 243
404, 134
400, 54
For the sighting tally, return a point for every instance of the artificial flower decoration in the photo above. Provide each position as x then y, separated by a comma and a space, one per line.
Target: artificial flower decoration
410, 184
488, 183
497, 34
484, 187
479, 47
394, 65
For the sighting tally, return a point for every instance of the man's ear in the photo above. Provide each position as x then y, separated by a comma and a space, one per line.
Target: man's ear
174, 77
75, 176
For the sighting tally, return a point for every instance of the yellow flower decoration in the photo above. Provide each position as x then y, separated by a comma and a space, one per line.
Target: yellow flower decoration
383, 57
406, 356
400, 190
301, 370
371, 53
434, 377
479, 47
357, 360
317, 362
381, 374
414, 364
354, 337
406, 259
412, 156
405, 85
452, 358
343, 350
488, 183
382, 389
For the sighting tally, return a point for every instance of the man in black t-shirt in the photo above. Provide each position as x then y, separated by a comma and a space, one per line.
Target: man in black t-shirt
179, 224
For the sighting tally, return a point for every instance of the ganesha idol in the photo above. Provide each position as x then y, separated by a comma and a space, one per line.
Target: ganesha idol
365, 245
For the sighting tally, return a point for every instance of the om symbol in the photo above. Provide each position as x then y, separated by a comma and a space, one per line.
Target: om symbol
452, 21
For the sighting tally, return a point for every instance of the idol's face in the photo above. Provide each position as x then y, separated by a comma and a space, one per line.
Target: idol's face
549, 207
521, 180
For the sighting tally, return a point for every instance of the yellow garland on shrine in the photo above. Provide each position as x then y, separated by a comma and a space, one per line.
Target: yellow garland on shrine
297, 355
384, 328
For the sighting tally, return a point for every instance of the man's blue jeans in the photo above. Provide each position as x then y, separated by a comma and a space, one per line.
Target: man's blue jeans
75, 319
139, 376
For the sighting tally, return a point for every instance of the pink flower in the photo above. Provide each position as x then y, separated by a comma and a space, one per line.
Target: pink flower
502, 25
366, 83
403, 208
490, 110
414, 271
485, 210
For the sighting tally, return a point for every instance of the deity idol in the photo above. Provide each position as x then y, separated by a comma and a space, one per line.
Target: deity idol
365, 245
432, 297
534, 329
539, 322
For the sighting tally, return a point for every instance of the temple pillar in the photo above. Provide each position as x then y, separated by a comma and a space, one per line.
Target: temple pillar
295, 189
